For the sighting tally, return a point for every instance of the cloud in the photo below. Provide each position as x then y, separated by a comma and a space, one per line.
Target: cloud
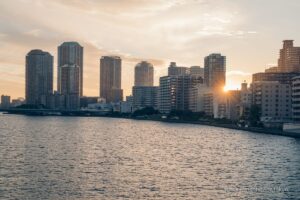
155, 30
126, 7
2, 35
34, 32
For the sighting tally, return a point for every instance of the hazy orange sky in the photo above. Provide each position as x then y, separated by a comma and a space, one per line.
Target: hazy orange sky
248, 32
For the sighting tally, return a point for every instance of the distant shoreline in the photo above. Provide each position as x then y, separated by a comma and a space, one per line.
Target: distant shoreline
101, 114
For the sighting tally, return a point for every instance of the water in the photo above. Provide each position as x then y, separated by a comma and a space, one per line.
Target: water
104, 158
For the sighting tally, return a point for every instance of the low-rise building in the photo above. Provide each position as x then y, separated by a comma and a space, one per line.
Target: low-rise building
246, 101
200, 94
274, 100
145, 96
5, 102
233, 104
85, 101
296, 98
211, 102
175, 92
17, 102
104, 107
127, 106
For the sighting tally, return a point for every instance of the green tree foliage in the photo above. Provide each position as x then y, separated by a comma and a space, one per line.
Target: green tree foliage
145, 112
254, 116
186, 115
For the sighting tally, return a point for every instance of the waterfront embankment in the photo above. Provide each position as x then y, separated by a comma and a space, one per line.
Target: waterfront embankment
39, 112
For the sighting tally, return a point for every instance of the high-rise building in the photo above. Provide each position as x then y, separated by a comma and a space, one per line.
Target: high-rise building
145, 96
275, 76
70, 53
215, 71
39, 77
5, 102
197, 71
175, 70
110, 79
70, 86
144, 74
175, 92
289, 59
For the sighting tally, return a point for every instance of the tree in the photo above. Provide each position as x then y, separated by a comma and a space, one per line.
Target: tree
255, 113
145, 112
186, 115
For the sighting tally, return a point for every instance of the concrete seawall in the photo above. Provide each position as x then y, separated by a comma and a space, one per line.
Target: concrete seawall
101, 114
232, 126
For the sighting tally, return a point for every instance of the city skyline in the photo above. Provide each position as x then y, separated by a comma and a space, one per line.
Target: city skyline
229, 30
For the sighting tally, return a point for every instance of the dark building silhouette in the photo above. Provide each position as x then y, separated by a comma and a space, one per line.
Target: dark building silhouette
175, 70
70, 53
143, 74
39, 77
196, 71
110, 79
5, 102
274, 76
215, 71
145, 96
70, 86
289, 57
176, 92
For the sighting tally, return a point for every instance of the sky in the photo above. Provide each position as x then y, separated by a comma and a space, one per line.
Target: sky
248, 32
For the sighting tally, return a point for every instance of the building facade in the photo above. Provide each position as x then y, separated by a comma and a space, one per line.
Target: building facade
85, 101
110, 79
70, 53
127, 106
208, 104
215, 71
143, 74
17, 102
39, 77
145, 96
246, 101
176, 92
274, 100
197, 71
175, 70
275, 76
233, 104
70, 86
272, 70
289, 59
5, 102
199, 93
296, 98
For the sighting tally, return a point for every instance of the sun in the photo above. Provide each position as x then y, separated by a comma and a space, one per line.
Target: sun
230, 87
225, 89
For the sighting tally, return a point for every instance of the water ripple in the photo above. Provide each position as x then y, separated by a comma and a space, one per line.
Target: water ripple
102, 158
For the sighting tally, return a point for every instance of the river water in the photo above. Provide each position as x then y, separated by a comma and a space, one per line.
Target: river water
105, 158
